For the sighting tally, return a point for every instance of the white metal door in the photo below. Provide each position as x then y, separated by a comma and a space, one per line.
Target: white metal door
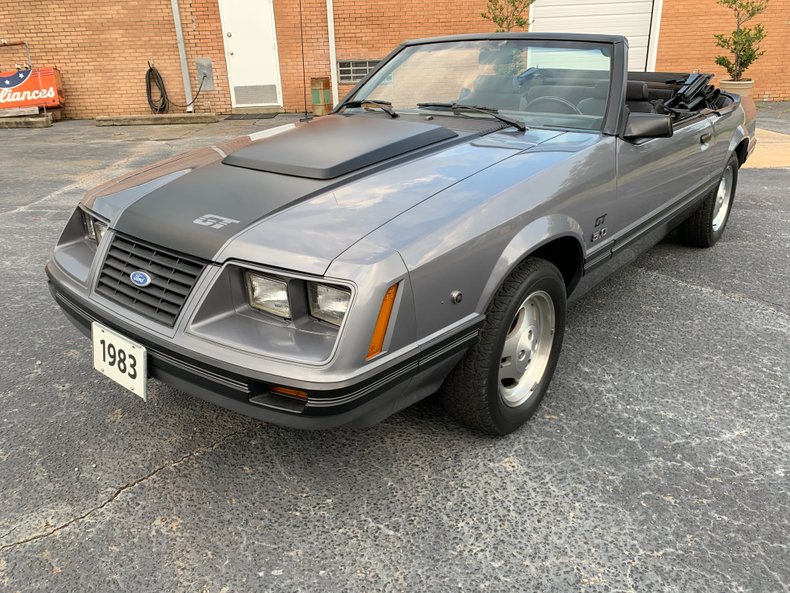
251, 52
637, 20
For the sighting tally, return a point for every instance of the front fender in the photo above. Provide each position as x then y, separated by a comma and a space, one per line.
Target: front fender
531, 238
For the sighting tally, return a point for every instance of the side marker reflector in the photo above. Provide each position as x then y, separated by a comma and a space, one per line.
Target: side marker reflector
382, 323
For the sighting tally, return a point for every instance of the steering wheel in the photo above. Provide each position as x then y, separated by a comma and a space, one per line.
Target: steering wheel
567, 106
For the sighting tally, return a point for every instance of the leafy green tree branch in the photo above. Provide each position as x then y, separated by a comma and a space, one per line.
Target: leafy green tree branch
744, 42
507, 14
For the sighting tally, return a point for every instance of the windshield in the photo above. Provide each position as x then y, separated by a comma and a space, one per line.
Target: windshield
541, 83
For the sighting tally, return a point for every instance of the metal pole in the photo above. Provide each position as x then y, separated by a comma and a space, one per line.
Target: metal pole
330, 20
182, 52
652, 40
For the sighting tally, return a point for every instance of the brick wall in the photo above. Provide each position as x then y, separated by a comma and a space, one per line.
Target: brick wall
370, 30
102, 49
363, 30
102, 46
686, 43
316, 47
202, 28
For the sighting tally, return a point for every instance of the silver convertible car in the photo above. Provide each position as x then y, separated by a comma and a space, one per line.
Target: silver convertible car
425, 236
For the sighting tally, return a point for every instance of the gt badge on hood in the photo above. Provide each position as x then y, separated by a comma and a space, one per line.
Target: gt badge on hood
214, 221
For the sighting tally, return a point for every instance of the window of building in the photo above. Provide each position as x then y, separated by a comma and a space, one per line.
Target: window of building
352, 71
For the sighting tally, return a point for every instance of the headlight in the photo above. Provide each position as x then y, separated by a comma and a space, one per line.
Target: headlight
328, 303
94, 228
268, 294
99, 228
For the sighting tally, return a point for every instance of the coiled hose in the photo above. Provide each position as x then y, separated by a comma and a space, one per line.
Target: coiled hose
162, 103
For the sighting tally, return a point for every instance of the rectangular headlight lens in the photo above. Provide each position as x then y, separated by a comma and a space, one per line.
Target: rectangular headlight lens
328, 303
94, 228
268, 294
87, 223
99, 228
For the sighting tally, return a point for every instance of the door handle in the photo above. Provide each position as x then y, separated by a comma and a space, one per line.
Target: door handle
705, 138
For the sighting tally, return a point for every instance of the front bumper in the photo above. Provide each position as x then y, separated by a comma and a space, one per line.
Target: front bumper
360, 404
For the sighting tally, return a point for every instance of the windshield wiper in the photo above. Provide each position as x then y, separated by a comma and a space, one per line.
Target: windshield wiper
493, 112
385, 106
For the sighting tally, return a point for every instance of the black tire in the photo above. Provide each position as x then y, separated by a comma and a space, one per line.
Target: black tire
699, 229
471, 394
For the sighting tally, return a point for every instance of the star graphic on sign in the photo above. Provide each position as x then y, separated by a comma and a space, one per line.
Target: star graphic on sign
8, 82
21, 75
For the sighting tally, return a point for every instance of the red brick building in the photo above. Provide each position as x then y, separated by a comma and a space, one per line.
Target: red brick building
253, 47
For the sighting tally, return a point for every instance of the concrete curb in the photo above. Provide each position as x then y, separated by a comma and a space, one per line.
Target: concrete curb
156, 120
771, 151
37, 121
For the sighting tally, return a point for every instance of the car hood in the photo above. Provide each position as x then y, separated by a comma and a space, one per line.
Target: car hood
299, 195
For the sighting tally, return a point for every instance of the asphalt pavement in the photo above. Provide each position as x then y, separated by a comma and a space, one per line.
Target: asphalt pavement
658, 461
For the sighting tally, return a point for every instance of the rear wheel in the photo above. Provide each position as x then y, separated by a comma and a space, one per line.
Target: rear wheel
706, 226
502, 379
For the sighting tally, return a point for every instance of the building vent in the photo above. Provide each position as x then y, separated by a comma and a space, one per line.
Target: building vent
259, 94
352, 71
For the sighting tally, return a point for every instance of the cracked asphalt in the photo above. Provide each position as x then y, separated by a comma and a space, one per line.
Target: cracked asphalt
658, 461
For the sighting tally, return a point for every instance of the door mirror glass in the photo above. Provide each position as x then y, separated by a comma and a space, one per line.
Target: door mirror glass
647, 125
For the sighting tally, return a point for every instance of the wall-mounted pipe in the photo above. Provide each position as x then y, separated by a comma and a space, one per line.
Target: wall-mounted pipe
182, 52
330, 21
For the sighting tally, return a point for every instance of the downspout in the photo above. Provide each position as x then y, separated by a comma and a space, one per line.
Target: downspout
652, 40
182, 52
330, 24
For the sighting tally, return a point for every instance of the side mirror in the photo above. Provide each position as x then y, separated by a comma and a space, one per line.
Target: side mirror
647, 125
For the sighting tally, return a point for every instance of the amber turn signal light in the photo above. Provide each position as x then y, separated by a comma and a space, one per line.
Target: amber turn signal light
289, 392
382, 323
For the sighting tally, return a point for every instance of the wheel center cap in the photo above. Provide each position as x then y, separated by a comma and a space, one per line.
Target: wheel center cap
526, 348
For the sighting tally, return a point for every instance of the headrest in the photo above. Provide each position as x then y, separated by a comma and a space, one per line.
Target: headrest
601, 89
636, 91
493, 83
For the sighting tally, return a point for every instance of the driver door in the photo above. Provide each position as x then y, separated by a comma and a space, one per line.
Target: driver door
657, 176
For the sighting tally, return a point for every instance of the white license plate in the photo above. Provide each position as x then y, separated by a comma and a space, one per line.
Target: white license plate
120, 359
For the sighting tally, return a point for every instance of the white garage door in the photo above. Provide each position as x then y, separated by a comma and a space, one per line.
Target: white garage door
632, 18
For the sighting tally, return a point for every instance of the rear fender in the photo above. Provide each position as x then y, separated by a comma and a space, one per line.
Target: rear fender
746, 114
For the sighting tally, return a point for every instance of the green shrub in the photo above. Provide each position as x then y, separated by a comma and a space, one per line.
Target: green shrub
744, 42
507, 14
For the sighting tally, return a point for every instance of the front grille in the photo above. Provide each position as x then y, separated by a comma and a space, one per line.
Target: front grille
172, 278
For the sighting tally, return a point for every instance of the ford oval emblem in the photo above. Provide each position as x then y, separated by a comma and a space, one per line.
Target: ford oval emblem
140, 278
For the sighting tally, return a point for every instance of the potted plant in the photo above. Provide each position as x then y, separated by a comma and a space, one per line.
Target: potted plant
743, 44
507, 14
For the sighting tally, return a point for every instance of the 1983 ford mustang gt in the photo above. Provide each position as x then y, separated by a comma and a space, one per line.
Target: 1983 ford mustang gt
425, 235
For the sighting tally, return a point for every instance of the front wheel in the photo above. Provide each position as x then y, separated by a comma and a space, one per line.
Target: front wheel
502, 379
706, 225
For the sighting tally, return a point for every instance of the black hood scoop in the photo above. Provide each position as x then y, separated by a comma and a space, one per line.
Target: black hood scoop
336, 145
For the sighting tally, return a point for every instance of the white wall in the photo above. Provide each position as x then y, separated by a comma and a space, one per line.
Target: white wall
631, 18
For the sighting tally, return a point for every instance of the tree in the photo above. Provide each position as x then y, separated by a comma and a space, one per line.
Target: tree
507, 14
744, 42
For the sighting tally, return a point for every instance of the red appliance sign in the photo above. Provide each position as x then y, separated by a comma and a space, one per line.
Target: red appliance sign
39, 87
